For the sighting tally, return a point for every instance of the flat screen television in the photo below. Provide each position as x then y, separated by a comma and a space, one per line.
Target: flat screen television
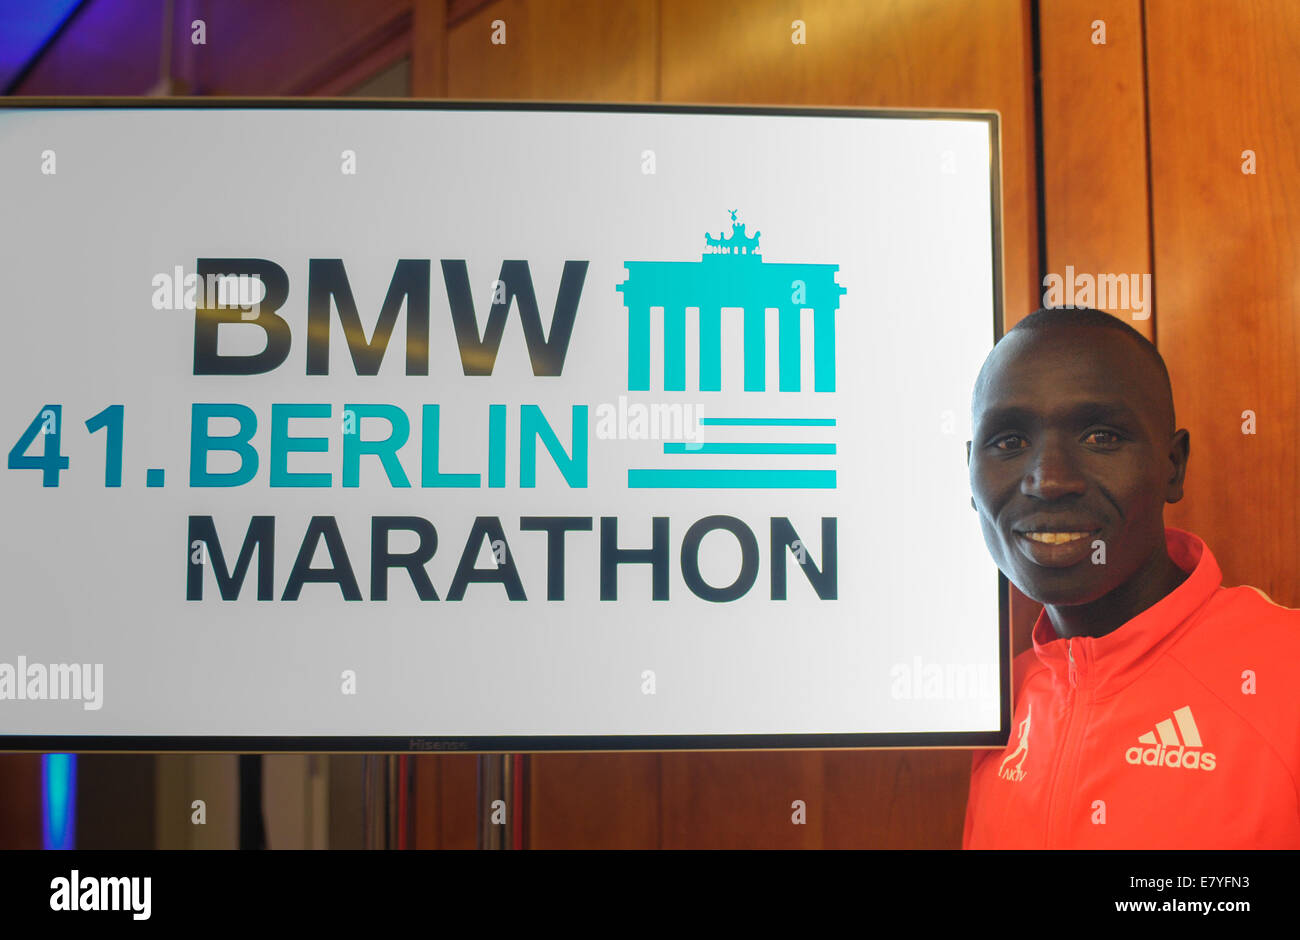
485, 426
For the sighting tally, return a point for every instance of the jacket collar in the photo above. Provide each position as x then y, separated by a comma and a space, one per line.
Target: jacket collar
1103, 665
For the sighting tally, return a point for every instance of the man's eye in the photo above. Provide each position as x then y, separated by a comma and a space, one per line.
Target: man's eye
1113, 437
1003, 440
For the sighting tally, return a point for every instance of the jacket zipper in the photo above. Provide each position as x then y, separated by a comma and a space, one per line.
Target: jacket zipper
1060, 756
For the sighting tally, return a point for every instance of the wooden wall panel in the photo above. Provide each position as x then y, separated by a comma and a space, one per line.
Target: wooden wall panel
895, 799
115, 801
429, 49
1094, 143
20, 801
446, 801
346, 806
564, 50
179, 780
595, 801
743, 800
1227, 258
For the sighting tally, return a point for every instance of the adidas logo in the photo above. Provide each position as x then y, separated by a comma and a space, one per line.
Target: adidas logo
1166, 749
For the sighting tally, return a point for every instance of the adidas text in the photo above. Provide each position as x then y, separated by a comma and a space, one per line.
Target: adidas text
1178, 757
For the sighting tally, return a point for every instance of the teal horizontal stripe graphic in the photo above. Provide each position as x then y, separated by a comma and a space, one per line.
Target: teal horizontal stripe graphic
732, 479
754, 448
774, 422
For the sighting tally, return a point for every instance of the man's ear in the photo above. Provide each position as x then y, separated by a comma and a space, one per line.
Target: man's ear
1180, 448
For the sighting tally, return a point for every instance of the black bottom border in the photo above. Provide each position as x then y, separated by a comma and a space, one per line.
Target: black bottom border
612, 888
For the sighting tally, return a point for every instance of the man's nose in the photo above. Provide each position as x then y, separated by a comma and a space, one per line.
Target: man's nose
1052, 471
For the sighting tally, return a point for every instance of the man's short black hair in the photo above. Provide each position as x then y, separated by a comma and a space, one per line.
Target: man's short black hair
1047, 317
1044, 317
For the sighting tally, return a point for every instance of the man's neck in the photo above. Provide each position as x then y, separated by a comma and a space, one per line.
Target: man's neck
1154, 581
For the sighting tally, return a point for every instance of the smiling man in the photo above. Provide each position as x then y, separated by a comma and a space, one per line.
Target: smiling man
1157, 708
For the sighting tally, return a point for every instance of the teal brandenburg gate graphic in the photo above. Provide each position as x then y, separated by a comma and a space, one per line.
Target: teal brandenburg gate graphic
731, 273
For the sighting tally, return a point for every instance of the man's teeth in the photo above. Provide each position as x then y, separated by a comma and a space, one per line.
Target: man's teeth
1055, 538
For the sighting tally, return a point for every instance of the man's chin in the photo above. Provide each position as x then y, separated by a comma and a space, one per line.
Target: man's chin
1058, 595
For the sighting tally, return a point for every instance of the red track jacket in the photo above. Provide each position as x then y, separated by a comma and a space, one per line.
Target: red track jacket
1179, 730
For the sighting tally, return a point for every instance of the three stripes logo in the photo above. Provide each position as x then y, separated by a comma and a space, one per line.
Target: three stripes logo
1175, 743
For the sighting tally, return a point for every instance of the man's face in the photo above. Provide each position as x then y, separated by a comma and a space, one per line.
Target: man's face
1071, 441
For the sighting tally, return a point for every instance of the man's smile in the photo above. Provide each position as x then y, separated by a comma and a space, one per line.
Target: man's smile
1053, 538
1055, 545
